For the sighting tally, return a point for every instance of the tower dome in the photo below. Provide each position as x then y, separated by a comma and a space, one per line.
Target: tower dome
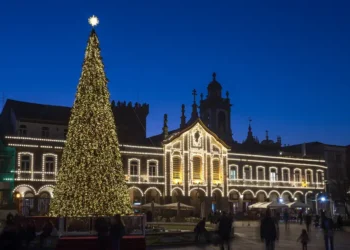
214, 88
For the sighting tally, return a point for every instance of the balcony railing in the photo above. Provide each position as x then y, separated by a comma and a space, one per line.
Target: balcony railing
274, 184
144, 179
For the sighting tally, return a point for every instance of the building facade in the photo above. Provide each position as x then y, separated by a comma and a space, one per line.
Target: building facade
198, 164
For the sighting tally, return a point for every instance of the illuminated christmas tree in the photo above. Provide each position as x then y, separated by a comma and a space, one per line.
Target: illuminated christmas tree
91, 180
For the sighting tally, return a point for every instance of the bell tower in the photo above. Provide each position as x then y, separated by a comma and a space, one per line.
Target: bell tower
215, 111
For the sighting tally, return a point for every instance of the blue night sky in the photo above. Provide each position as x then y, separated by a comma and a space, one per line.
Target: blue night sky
285, 63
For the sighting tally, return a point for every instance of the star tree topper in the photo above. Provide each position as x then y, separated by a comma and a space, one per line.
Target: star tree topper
93, 21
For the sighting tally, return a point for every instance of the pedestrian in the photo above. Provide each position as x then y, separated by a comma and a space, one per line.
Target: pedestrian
101, 227
117, 231
339, 222
304, 239
47, 230
308, 220
200, 230
286, 219
268, 231
224, 230
300, 217
328, 232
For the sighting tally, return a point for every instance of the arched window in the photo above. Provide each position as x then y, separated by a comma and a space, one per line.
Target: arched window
285, 173
216, 170
297, 175
25, 163
260, 173
152, 169
22, 131
320, 177
197, 168
247, 173
273, 174
134, 168
49, 164
233, 173
309, 176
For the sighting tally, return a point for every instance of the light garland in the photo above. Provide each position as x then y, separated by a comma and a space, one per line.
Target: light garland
286, 191
137, 188
277, 162
217, 189
22, 145
24, 185
177, 188
140, 153
297, 192
277, 157
153, 188
198, 188
248, 191
50, 191
261, 191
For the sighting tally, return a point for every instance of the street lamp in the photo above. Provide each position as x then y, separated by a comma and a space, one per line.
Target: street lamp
18, 197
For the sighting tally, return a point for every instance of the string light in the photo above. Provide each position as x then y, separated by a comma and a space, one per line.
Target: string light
277, 157
137, 188
153, 188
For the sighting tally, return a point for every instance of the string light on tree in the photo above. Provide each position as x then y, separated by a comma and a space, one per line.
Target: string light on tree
91, 180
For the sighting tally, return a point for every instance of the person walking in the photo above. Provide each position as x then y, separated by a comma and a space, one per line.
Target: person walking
117, 231
308, 220
304, 239
328, 232
200, 230
286, 219
224, 230
268, 231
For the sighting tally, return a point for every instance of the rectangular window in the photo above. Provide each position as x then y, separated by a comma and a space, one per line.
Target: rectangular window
50, 164
233, 174
25, 163
45, 132
260, 174
177, 168
273, 176
22, 130
134, 168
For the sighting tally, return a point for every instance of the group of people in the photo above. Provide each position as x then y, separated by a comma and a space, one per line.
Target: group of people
224, 229
269, 229
19, 232
110, 234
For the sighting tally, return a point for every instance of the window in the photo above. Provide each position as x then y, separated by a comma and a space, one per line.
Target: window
216, 170
45, 132
134, 165
22, 131
177, 168
152, 169
233, 173
338, 158
297, 176
273, 175
197, 168
285, 175
247, 175
261, 174
25, 163
49, 164
320, 177
308, 176
65, 132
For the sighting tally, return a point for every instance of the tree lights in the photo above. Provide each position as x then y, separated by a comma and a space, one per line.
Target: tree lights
91, 179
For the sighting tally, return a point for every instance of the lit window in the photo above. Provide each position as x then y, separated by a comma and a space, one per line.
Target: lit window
49, 164
216, 170
45, 132
25, 163
273, 175
22, 131
177, 168
152, 169
197, 168
134, 168
233, 173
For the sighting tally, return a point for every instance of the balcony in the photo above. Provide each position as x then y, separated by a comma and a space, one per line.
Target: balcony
144, 179
274, 184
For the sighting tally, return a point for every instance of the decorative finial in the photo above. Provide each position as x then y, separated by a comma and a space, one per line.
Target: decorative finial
93, 21
194, 93
250, 120
214, 76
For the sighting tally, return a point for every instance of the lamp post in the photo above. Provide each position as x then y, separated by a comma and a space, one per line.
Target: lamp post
18, 197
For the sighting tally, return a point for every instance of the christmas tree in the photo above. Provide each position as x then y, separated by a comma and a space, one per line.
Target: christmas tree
91, 180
